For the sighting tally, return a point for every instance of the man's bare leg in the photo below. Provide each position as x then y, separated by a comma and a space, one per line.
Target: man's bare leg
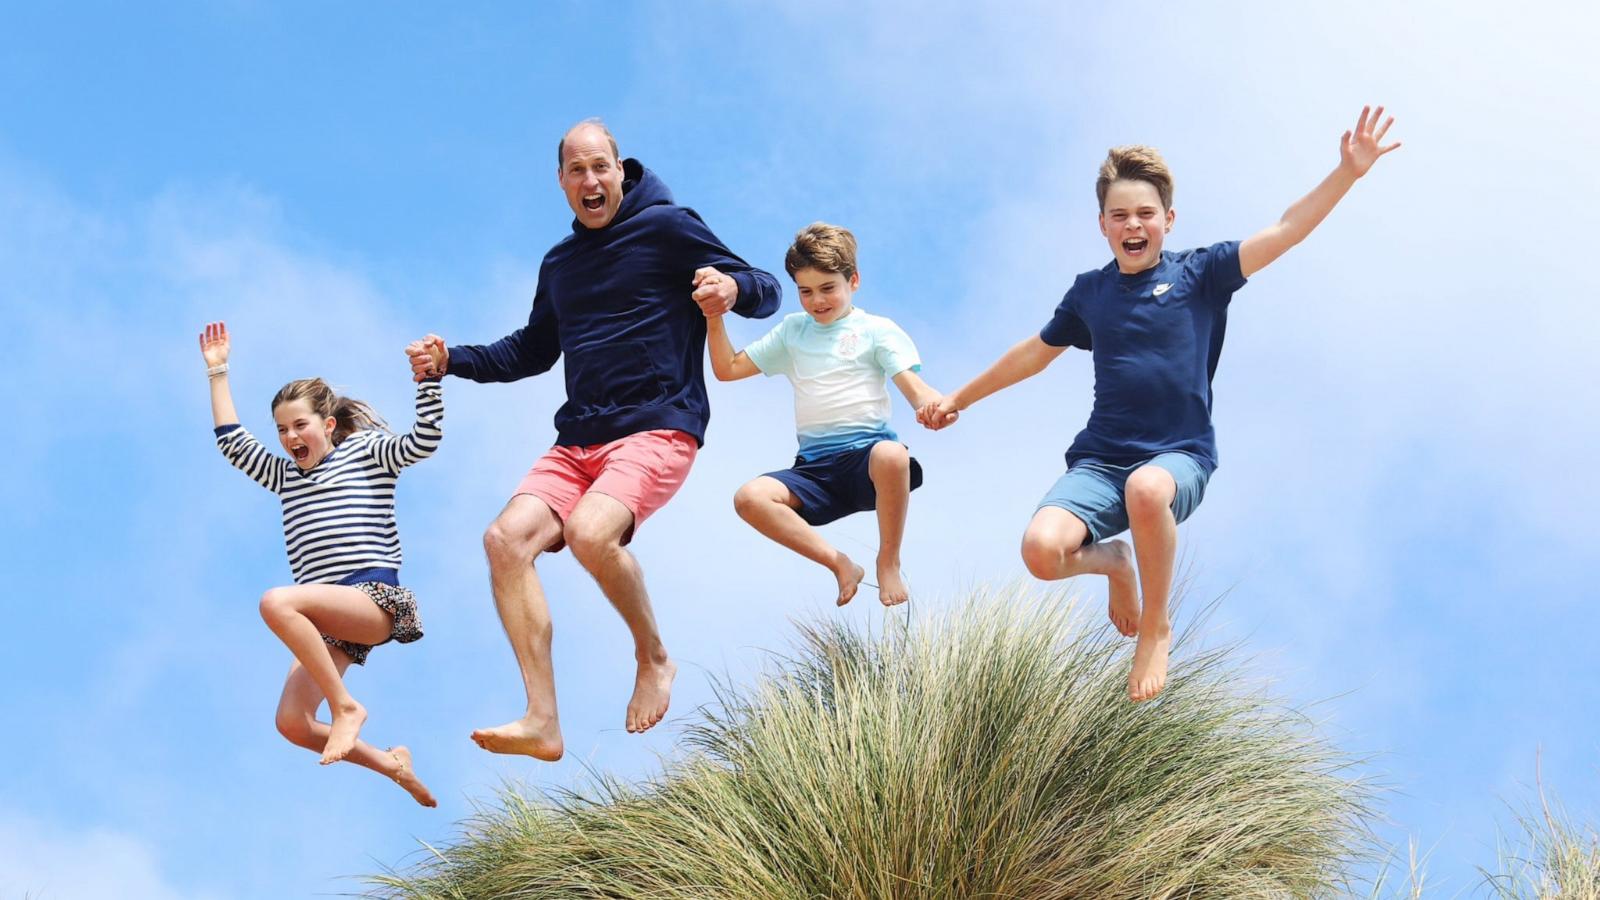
770, 508
297, 721
1149, 494
594, 531
300, 615
1053, 548
889, 467
523, 530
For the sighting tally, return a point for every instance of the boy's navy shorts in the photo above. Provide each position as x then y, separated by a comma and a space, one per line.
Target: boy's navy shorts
1092, 491
834, 486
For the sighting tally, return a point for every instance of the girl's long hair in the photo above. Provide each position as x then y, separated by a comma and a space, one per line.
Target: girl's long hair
350, 415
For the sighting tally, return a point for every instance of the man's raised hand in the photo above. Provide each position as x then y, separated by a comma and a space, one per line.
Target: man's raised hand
714, 292
429, 357
1360, 148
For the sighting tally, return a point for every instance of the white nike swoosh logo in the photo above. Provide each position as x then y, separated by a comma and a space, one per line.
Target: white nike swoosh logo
1160, 289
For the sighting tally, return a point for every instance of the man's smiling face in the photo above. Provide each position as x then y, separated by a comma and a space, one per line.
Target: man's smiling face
1135, 224
591, 176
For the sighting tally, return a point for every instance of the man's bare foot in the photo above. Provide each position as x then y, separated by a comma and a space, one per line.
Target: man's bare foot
652, 691
1149, 673
347, 722
540, 739
892, 590
849, 575
406, 777
1124, 606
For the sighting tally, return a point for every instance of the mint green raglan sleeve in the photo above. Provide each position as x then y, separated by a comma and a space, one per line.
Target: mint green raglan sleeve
893, 350
771, 353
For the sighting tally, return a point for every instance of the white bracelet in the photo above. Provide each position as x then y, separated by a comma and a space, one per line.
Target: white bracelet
214, 371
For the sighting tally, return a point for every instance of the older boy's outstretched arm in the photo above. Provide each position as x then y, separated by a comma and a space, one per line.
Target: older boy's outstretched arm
1358, 150
726, 364
1025, 360
918, 392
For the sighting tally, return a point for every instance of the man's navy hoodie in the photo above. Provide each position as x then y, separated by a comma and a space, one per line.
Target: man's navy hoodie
616, 301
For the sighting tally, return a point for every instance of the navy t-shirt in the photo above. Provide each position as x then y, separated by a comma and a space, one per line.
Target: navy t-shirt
1156, 337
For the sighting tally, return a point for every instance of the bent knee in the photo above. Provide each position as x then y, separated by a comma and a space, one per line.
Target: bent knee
503, 544
751, 496
589, 542
1149, 489
275, 604
296, 728
891, 456
1043, 554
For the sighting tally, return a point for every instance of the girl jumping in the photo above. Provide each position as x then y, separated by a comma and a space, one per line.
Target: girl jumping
337, 491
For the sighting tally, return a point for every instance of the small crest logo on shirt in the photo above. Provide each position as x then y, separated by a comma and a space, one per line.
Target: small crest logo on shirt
847, 344
1161, 289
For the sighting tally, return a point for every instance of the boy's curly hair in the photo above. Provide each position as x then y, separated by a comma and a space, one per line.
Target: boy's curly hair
1134, 162
824, 247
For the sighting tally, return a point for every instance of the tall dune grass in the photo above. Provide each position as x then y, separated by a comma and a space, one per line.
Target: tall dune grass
988, 752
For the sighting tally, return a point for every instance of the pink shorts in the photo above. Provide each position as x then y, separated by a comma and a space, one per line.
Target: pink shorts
641, 471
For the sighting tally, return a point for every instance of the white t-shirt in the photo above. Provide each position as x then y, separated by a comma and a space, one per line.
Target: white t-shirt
839, 372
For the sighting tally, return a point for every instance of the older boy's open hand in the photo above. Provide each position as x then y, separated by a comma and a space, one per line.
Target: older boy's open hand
1360, 148
429, 357
714, 292
938, 414
214, 344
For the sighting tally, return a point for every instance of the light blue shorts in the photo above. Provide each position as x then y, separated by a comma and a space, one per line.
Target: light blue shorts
1093, 491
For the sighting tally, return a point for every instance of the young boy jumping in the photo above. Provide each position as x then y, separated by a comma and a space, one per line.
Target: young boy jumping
1154, 321
837, 357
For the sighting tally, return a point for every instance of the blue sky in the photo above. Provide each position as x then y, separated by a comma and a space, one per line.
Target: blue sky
1405, 406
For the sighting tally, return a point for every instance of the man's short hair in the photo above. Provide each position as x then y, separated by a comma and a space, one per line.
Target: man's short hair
1135, 162
561, 147
824, 247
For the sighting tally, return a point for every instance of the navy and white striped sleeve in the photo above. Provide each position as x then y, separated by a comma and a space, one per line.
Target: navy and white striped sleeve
251, 457
396, 451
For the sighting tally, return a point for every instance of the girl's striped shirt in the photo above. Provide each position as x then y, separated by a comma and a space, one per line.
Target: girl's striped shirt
338, 516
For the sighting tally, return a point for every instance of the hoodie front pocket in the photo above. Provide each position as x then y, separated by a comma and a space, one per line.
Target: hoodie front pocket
611, 376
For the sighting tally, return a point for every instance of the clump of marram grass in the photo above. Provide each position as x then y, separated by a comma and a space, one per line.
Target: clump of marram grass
1553, 858
987, 752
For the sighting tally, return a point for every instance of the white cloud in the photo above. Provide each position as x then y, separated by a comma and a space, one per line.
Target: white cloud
42, 861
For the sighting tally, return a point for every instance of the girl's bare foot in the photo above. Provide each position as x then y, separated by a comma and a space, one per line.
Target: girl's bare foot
892, 590
347, 721
1123, 609
849, 575
652, 691
1149, 673
406, 777
538, 738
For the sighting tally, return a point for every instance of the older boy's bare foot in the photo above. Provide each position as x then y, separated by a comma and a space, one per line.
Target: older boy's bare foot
1149, 673
406, 777
1124, 606
849, 575
892, 590
347, 722
652, 691
538, 738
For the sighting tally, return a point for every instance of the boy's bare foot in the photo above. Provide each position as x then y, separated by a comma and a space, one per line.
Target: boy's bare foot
892, 590
347, 722
406, 777
1124, 606
1149, 673
849, 575
540, 739
652, 691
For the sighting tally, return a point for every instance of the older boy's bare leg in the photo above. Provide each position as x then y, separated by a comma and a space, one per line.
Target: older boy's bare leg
770, 507
889, 466
594, 531
1053, 548
297, 721
523, 530
300, 615
1149, 494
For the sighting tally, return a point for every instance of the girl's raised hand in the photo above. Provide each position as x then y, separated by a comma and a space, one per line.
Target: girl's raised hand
214, 343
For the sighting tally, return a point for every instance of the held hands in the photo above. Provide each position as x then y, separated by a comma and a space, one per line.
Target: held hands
939, 413
429, 357
214, 344
1360, 148
714, 292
